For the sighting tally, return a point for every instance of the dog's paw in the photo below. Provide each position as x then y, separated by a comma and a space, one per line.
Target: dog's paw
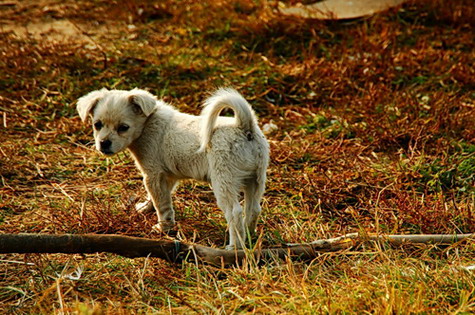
164, 226
144, 207
232, 247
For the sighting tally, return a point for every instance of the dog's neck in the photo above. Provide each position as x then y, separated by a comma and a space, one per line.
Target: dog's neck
139, 153
140, 148
136, 153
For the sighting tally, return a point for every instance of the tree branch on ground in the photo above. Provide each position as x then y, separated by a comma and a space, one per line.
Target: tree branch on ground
176, 251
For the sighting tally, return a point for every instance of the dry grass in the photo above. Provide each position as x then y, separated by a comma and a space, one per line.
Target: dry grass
375, 132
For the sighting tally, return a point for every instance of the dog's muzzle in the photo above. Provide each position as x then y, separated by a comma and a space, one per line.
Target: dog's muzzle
105, 146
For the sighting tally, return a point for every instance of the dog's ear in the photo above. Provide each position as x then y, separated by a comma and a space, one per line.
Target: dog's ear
142, 102
87, 103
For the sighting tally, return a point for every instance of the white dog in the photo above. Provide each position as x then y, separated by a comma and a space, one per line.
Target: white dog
167, 145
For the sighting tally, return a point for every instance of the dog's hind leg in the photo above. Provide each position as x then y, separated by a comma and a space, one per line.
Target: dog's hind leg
228, 200
237, 230
253, 191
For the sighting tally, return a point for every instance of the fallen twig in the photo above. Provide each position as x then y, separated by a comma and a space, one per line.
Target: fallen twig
421, 238
175, 251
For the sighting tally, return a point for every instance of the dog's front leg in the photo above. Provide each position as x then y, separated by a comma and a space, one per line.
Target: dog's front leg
159, 188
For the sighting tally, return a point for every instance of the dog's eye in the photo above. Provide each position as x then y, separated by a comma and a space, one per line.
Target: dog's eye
123, 128
98, 125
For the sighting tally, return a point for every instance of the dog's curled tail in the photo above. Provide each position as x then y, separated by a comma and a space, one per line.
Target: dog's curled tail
221, 99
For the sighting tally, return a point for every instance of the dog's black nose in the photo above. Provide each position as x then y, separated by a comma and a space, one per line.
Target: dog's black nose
106, 146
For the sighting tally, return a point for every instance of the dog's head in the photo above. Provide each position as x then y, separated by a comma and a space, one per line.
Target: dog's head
117, 116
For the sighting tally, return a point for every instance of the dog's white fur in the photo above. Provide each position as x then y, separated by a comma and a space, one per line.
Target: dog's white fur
229, 152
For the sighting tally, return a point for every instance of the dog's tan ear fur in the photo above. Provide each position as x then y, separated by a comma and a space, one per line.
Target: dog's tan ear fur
143, 102
87, 103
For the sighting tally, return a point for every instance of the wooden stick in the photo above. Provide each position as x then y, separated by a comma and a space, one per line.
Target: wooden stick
172, 251
421, 238
175, 251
